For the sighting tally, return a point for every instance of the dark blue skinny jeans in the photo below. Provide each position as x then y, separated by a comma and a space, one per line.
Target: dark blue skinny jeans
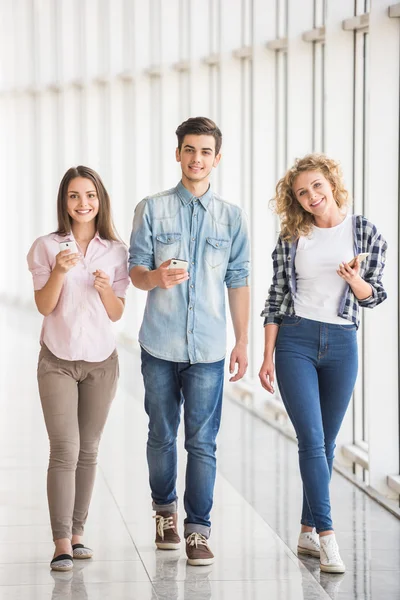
316, 367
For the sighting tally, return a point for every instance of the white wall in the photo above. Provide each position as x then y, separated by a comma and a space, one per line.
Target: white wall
105, 83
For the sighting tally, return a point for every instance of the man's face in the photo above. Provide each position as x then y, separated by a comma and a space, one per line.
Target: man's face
197, 157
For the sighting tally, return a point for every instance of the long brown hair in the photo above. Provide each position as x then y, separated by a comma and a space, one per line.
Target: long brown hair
295, 221
104, 223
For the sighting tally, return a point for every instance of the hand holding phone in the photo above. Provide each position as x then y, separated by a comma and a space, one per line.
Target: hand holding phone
360, 257
171, 273
178, 263
66, 261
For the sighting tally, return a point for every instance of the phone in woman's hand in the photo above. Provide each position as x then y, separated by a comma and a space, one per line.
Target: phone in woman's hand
362, 256
69, 245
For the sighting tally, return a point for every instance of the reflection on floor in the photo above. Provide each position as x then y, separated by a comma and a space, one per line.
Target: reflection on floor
255, 518
262, 465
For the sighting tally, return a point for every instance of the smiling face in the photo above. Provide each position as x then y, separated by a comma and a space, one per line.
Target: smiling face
314, 193
197, 157
82, 200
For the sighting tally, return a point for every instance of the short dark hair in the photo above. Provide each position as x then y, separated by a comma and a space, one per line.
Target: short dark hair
199, 126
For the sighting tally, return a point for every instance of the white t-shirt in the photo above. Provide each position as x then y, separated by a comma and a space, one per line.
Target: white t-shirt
319, 287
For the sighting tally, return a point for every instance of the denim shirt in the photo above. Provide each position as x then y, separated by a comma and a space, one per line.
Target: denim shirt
366, 238
187, 323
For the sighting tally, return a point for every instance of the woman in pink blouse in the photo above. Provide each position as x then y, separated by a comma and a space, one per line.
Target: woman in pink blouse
79, 293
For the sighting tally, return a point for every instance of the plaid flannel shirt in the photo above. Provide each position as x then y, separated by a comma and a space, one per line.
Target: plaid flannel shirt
283, 289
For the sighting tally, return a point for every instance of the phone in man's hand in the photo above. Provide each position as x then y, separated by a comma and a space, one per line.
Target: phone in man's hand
362, 256
178, 263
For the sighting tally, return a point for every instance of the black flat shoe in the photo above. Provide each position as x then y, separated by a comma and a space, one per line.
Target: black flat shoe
62, 562
81, 552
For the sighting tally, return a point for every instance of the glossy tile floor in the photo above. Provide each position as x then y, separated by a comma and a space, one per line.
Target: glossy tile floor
255, 517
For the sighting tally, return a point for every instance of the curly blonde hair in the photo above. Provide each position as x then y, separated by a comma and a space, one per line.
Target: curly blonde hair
295, 221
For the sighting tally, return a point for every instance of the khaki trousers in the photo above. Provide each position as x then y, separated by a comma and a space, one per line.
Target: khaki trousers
76, 397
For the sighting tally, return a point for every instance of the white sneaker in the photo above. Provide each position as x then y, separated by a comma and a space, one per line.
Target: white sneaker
308, 543
330, 561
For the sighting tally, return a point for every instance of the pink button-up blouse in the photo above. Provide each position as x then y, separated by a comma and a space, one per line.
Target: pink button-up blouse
79, 327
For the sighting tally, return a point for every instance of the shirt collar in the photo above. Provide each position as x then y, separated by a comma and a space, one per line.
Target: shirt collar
187, 196
70, 236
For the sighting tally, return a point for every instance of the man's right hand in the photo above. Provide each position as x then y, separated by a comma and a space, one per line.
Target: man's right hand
168, 278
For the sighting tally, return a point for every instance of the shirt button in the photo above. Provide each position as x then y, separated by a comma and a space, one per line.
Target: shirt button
190, 307
193, 262
190, 331
193, 239
192, 286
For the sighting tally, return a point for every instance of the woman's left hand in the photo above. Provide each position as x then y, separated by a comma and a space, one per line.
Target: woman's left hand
101, 281
349, 274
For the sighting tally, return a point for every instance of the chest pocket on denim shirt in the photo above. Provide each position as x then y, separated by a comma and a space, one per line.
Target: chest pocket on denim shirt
168, 246
216, 251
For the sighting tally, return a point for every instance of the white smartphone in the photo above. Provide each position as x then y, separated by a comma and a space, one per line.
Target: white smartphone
69, 245
178, 263
362, 256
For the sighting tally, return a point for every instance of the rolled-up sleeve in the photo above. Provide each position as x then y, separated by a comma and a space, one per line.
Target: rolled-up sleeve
39, 265
278, 289
374, 271
238, 271
141, 244
121, 278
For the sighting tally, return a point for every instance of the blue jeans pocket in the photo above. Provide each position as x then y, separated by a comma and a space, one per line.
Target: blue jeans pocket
348, 327
291, 321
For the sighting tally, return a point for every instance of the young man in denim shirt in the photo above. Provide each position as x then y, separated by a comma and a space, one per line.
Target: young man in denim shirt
183, 334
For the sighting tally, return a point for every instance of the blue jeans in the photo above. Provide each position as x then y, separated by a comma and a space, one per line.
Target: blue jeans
316, 367
199, 388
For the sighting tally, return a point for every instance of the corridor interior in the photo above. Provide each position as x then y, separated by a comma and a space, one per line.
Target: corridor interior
255, 516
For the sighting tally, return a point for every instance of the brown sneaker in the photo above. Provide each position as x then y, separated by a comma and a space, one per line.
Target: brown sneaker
197, 550
167, 537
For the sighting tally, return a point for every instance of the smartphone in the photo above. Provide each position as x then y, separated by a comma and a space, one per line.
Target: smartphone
361, 257
69, 245
178, 263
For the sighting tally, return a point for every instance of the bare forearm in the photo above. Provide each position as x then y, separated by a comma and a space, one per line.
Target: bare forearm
239, 304
351, 274
270, 333
142, 278
114, 306
361, 289
47, 298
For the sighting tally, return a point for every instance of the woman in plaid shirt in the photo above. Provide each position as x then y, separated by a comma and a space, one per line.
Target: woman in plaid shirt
311, 320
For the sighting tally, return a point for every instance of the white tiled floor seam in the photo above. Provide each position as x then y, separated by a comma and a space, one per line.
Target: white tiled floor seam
100, 472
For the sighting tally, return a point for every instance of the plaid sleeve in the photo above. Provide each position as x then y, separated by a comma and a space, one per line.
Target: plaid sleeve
376, 245
279, 287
